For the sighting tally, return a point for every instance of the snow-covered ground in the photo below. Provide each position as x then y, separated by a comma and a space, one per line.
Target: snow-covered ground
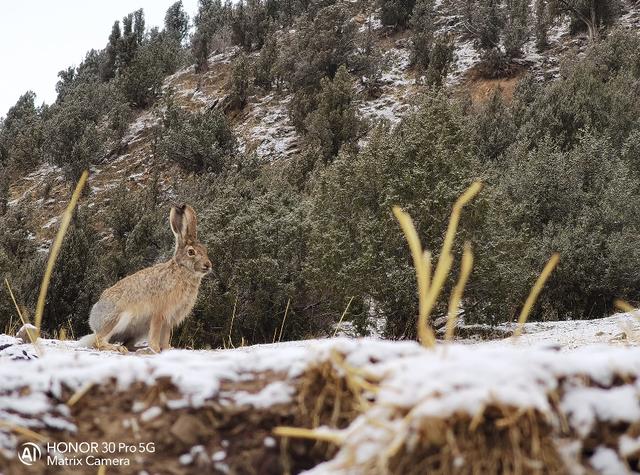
591, 383
619, 329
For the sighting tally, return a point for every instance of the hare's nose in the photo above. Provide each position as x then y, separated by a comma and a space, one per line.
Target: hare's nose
207, 266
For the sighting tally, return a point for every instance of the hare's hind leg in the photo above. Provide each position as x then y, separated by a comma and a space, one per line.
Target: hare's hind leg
105, 321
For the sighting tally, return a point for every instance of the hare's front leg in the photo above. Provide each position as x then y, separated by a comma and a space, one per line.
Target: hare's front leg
165, 336
155, 332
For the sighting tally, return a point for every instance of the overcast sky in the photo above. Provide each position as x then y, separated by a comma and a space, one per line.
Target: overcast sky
38, 38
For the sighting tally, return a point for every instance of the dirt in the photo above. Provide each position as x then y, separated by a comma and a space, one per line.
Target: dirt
221, 437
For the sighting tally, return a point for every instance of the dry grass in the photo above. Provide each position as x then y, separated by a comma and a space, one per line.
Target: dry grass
335, 331
55, 248
535, 292
284, 319
429, 290
458, 290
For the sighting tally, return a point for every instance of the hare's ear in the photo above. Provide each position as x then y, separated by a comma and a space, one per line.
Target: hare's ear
190, 223
183, 224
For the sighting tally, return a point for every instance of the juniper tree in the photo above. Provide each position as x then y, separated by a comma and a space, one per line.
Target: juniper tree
422, 33
199, 142
240, 82
334, 123
176, 22
211, 19
313, 51
139, 26
440, 60
264, 67
109, 67
516, 26
21, 134
396, 13
592, 15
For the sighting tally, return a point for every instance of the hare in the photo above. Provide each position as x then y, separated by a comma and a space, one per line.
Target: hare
151, 302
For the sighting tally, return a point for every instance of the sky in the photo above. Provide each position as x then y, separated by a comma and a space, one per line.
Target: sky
38, 38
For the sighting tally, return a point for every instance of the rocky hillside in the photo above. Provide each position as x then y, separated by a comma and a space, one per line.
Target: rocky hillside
264, 125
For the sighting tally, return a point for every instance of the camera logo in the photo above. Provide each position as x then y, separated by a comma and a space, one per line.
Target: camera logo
29, 453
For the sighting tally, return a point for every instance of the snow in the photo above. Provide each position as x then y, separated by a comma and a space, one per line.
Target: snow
395, 83
617, 329
606, 462
594, 382
275, 393
272, 132
372, 21
465, 57
150, 413
50, 223
585, 406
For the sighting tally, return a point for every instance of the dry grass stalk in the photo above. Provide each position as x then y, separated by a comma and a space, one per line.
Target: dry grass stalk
623, 306
229, 343
28, 433
429, 291
55, 248
456, 295
311, 434
425, 334
284, 319
342, 318
84, 389
535, 291
33, 337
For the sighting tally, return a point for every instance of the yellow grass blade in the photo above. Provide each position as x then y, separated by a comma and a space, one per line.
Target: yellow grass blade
284, 319
460, 203
23, 431
55, 248
312, 434
32, 337
456, 295
24, 321
342, 317
425, 334
427, 262
233, 317
624, 306
429, 290
84, 389
535, 291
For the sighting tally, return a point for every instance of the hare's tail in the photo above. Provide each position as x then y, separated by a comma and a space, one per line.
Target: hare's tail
87, 341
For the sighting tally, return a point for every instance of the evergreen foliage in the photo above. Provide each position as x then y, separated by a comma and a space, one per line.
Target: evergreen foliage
200, 142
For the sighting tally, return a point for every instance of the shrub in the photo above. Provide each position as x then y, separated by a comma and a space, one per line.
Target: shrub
198, 142
579, 203
356, 246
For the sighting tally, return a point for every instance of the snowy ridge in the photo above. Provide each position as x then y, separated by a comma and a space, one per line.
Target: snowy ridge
464, 380
581, 388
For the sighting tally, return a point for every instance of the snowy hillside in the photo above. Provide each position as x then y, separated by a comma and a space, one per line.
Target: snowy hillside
264, 125
382, 407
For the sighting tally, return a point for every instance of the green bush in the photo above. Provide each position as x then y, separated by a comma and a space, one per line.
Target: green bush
356, 246
198, 142
579, 203
253, 223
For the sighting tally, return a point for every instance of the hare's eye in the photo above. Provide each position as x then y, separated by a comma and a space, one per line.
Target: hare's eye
191, 252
